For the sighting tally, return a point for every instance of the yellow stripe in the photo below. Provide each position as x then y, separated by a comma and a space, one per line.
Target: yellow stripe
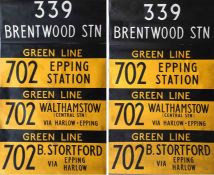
161, 115
172, 164
62, 115
178, 74
94, 162
54, 73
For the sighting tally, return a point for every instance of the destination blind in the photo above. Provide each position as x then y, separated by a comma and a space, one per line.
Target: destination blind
53, 87
161, 87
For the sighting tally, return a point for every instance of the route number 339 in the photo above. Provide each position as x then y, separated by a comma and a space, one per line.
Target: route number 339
65, 7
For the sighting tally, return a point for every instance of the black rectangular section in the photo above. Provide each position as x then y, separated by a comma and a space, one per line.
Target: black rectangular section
53, 25
57, 135
19, 50
194, 18
123, 50
140, 94
168, 136
53, 93
41, 17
